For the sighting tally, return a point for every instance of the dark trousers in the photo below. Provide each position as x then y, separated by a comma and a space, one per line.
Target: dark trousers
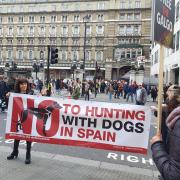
87, 95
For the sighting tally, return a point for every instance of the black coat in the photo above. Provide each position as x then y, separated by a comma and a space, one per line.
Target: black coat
168, 164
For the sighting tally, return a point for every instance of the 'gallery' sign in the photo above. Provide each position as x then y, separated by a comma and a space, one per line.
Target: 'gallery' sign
164, 11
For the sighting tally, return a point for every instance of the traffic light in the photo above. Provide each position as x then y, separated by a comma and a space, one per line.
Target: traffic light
54, 55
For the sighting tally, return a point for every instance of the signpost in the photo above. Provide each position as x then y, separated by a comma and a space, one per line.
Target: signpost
163, 28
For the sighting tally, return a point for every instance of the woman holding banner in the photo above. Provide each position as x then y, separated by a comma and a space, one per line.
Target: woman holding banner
21, 86
168, 161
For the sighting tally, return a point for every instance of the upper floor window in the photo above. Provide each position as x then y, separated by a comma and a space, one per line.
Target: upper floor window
64, 18
122, 16
129, 16
64, 30
99, 55
137, 4
20, 55
10, 19
31, 19
123, 4
121, 29
75, 29
87, 55
42, 19
75, 55
53, 18
100, 17
53, 29
9, 54
1, 19
100, 5
76, 18
21, 19
88, 29
31, 54
31, 29
137, 16
100, 29
10, 31
20, 30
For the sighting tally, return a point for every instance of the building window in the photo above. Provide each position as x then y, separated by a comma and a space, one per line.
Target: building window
75, 30
100, 5
100, 29
87, 55
1, 20
177, 40
9, 54
64, 41
64, 30
99, 56
129, 29
21, 19
64, 55
53, 19
9, 41
177, 11
136, 29
31, 19
42, 19
99, 42
41, 55
128, 54
31, 41
20, 55
121, 29
122, 16
64, 18
30, 54
10, 31
53, 30
133, 54
88, 30
75, 41
31, 30
42, 30
75, 55
129, 16
100, 17
137, 4
10, 19
88, 41
76, 18
53, 41
20, 31
122, 54
123, 4
41, 41
137, 16
20, 41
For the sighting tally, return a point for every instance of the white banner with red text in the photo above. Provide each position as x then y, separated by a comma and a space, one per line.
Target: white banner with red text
100, 125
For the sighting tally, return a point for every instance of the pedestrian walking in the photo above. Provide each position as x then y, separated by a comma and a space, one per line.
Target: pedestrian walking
141, 95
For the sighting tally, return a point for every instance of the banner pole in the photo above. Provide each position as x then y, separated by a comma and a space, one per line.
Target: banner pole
160, 88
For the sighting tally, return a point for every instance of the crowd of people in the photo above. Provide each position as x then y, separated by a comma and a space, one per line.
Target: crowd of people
165, 144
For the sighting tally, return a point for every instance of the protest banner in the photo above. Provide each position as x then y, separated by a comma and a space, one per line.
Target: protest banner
162, 33
78, 123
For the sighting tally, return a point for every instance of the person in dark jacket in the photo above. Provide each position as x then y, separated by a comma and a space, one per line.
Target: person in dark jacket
168, 160
22, 86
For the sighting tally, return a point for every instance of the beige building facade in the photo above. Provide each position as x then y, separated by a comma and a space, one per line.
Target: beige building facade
117, 32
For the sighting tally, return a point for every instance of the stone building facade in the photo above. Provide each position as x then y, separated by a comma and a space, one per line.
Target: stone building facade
117, 32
